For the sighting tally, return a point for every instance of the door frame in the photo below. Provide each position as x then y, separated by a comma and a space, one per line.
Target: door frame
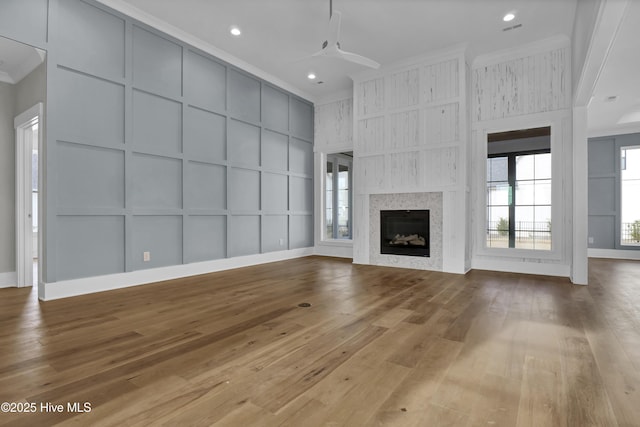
24, 230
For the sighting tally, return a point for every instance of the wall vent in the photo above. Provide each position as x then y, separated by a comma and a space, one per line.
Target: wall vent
513, 27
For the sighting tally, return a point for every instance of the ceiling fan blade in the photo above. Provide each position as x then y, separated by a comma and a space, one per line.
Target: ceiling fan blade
334, 28
358, 59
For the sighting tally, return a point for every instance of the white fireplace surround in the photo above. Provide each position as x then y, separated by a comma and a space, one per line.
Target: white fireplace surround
407, 201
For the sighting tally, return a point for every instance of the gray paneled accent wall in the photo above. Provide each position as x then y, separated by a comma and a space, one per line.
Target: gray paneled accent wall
154, 146
604, 190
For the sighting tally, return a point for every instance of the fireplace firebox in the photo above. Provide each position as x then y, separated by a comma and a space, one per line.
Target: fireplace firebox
404, 232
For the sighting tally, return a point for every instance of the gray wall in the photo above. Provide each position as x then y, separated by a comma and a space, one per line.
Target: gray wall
31, 89
604, 189
155, 146
7, 179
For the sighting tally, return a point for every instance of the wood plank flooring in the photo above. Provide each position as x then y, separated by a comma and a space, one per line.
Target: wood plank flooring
378, 347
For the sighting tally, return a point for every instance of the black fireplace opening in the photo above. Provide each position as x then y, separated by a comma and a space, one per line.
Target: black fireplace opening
404, 232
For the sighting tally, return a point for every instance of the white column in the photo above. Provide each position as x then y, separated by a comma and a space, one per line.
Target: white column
579, 264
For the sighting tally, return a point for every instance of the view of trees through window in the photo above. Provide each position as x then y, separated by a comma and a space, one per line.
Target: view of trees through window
519, 191
629, 191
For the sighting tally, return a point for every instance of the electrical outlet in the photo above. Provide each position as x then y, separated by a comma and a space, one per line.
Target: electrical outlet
590, 240
281, 242
146, 256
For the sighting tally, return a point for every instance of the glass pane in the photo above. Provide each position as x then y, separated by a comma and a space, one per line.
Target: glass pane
498, 227
525, 218
542, 192
543, 218
524, 193
524, 167
629, 200
543, 166
497, 169
329, 200
344, 231
498, 194
525, 227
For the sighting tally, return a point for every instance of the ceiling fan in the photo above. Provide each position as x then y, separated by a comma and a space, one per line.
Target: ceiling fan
331, 46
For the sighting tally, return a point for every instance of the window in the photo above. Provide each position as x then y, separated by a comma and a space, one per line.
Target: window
338, 181
629, 191
518, 190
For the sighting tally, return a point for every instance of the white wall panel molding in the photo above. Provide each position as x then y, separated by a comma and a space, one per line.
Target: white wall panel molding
528, 84
333, 126
410, 136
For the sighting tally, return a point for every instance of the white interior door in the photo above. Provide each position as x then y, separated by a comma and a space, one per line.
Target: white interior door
28, 141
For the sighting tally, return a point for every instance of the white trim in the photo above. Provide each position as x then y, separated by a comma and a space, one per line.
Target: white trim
330, 98
555, 121
346, 243
175, 32
8, 280
339, 251
334, 149
522, 267
70, 288
24, 231
580, 203
6, 78
613, 253
608, 22
618, 130
431, 57
540, 46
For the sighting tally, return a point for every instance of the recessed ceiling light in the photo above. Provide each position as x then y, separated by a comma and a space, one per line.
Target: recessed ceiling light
311, 76
509, 17
235, 31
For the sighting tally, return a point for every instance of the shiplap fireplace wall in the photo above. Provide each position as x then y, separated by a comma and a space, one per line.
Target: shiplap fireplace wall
411, 139
419, 142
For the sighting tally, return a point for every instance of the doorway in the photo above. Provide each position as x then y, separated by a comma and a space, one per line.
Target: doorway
28, 183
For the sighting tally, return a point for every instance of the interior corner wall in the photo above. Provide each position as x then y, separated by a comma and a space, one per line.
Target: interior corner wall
7, 179
154, 146
583, 27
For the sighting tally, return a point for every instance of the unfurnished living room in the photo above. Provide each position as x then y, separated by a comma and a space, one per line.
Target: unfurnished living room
320, 212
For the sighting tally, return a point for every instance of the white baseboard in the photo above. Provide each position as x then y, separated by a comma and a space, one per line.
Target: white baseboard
334, 251
70, 288
8, 280
543, 269
613, 253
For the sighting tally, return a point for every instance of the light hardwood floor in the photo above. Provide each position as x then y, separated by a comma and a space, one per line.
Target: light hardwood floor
378, 346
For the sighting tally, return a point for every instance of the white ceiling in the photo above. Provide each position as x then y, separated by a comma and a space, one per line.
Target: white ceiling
619, 77
279, 34
17, 60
